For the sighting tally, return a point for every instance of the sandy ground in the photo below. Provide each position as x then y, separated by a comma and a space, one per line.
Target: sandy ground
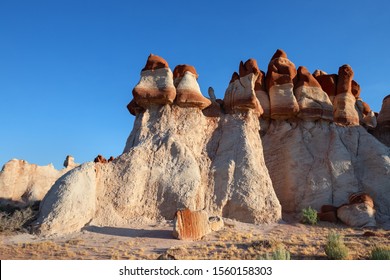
235, 241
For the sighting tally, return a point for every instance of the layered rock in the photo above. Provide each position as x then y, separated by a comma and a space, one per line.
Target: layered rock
191, 225
240, 95
188, 92
314, 103
280, 83
367, 117
156, 83
181, 158
344, 102
382, 131
262, 95
359, 212
25, 183
319, 163
328, 83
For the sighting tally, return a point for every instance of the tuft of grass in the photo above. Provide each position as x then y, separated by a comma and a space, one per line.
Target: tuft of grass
279, 254
335, 248
309, 216
380, 253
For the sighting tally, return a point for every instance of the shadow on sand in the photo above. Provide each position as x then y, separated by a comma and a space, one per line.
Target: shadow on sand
129, 232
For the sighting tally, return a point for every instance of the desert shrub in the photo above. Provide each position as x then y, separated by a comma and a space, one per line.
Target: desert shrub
279, 254
16, 220
380, 253
335, 248
309, 216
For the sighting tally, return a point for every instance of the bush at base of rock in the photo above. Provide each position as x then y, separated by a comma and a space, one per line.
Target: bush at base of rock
309, 216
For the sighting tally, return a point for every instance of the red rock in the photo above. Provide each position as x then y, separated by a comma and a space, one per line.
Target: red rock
191, 225
328, 83
355, 88
100, 159
111, 159
134, 108
188, 93
330, 216
361, 198
314, 103
345, 112
280, 84
156, 84
155, 62
240, 94
382, 130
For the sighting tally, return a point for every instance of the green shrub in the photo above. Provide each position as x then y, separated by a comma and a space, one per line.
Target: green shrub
309, 216
335, 248
380, 253
279, 254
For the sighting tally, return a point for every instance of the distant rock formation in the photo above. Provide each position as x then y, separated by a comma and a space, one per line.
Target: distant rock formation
231, 159
382, 130
22, 182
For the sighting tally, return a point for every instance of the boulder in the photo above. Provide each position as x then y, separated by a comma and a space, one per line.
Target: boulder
70, 203
280, 84
156, 84
314, 103
357, 215
344, 103
240, 95
188, 92
191, 225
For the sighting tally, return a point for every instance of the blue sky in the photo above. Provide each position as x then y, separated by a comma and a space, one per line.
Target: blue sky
67, 68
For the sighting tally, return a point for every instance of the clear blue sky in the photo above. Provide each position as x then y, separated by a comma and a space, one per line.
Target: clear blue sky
67, 68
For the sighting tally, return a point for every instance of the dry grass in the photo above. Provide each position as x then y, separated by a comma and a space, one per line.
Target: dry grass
302, 241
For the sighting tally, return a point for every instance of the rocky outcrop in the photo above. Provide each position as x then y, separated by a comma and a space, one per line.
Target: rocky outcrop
344, 102
359, 212
382, 130
240, 95
319, 163
183, 157
70, 203
156, 84
262, 95
179, 158
280, 84
314, 103
328, 83
187, 89
25, 183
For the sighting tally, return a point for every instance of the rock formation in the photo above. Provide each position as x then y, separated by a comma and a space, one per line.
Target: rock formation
328, 83
382, 130
359, 212
156, 84
280, 84
178, 158
344, 102
185, 154
22, 182
187, 89
314, 103
240, 94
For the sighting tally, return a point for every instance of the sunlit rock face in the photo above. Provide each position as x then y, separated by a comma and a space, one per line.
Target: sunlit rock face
280, 84
23, 183
382, 130
314, 103
232, 158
